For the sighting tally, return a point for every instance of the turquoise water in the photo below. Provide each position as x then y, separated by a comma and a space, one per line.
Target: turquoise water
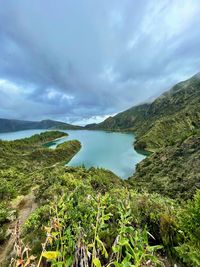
19, 134
109, 150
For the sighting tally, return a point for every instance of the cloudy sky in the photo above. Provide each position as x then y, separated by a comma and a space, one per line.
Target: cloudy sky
82, 60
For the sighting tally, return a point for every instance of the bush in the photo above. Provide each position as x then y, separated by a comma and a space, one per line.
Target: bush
189, 221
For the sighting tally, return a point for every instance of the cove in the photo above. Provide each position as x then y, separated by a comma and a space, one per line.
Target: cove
108, 150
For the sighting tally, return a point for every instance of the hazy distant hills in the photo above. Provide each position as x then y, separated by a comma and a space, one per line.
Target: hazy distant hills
7, 125
172, 117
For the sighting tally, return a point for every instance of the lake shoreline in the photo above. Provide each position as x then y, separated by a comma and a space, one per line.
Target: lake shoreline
102, 149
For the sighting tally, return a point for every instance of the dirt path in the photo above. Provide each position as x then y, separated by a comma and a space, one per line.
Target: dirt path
25, 207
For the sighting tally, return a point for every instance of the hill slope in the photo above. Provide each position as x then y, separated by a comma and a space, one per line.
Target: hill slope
173, 171
7, 125
172, 117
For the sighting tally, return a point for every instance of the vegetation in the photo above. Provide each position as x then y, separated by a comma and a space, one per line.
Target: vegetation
21, 162
83, 219
90, 217
173, 171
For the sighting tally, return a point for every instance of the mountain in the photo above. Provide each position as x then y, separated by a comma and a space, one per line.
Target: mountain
172, 117
127, 120
7, 125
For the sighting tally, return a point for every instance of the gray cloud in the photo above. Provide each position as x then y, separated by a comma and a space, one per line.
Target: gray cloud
82, 60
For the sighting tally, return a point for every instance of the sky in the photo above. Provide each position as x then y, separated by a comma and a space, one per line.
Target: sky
80, 61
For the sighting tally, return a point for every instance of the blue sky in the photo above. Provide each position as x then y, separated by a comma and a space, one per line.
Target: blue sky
81, 61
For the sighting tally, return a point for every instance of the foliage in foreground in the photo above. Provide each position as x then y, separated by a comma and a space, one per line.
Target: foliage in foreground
99, 229
189, 221
119, 228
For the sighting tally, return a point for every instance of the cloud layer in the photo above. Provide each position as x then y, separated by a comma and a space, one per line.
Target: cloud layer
80, 61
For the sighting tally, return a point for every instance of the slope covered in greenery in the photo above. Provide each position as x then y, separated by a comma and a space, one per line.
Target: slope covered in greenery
21, 162
91, 216
173, 171
127, 120
87, 217
172, 117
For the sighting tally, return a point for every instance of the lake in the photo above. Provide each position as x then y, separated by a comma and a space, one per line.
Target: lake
109, 150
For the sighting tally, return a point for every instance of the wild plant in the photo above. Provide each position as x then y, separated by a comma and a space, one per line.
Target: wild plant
88, 229
21, 251
131, 246
98, 247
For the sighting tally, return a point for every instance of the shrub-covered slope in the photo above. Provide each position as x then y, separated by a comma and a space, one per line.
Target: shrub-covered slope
127, 120
173, 171
91, 216
21, 162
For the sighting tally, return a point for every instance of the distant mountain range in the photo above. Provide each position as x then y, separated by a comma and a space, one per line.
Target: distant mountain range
172, 117
7, 125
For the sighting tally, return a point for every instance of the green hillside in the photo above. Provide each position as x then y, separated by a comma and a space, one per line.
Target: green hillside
21, 162
127, 120
173, 171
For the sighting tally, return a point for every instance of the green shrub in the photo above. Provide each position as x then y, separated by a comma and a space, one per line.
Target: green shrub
189, 220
